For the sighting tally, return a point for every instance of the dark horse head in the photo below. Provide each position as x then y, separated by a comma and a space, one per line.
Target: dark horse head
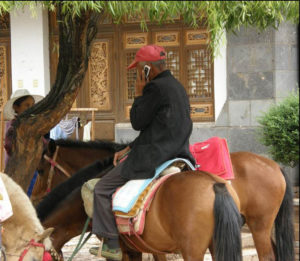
62, 158
49, 203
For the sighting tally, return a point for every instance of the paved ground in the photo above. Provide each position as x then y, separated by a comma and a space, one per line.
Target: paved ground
248, 253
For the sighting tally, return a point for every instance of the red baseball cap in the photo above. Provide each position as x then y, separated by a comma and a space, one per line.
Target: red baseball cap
148, 53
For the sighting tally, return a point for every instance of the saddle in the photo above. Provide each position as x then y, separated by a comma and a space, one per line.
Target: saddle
130, 212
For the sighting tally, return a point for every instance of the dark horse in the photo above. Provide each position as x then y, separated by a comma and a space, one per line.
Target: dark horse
265, 195
70, 155
179, 219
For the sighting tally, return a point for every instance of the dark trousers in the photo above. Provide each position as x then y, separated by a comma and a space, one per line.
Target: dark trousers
104, 224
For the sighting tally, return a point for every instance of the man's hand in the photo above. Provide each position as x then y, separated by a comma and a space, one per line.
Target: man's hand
120, 154
140, 82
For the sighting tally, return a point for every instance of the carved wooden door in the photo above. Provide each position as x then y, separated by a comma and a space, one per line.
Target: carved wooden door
98, 87
109, 86
5, 75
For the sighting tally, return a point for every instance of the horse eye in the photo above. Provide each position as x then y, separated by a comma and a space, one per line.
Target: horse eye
40, 172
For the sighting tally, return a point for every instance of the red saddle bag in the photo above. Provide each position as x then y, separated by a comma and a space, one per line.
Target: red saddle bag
213, 156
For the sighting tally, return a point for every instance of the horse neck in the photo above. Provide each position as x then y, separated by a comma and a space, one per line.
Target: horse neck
72, 159
24, 224
67, 218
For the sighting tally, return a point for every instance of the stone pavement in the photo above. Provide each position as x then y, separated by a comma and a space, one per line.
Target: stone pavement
249, 253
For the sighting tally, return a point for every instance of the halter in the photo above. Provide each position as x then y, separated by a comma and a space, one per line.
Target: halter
54, 165
32, 243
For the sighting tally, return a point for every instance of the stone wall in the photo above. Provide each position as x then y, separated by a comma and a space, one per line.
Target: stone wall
262, 68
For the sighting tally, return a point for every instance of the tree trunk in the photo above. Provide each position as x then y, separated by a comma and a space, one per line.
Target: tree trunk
75, 37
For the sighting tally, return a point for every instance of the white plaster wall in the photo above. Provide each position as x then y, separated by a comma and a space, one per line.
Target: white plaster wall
220, 78
30, 51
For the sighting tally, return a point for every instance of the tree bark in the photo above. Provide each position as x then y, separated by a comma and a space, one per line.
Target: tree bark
75, 37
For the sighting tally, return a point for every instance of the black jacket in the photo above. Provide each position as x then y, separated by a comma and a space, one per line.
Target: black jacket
162, 115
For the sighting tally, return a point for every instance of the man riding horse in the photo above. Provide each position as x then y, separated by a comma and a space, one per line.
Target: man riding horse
161, 112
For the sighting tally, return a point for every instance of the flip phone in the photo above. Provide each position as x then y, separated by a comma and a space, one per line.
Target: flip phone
147, 71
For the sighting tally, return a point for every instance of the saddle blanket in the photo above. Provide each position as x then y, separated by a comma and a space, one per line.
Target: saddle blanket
213, 156
125, 198
135, 225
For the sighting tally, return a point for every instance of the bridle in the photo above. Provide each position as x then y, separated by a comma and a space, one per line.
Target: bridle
31, 243
54, 166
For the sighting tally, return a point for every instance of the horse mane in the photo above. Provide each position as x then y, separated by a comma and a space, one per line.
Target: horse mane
21, 204
60, 192
95, 144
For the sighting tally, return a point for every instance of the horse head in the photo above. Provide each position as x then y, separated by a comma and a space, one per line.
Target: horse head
23, 236
49, 148
36, 249
63, 158
43, 169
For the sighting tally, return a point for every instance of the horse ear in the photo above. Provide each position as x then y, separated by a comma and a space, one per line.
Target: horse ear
51, 146
47, 232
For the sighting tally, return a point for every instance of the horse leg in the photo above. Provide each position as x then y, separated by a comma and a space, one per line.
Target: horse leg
158, 257
129, 254
261, 231
212, 252
187, 256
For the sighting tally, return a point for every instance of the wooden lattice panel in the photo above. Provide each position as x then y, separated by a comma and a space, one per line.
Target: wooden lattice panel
131, 76
127, 111
167, 38
135, 40
199, 74
202, 110
172, 63
100, 92
3, 76
194, 37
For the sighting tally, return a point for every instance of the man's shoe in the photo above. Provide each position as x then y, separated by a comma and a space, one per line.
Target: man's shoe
111, 253
94, 251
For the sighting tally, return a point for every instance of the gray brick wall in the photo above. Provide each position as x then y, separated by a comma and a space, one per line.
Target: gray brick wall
263, 68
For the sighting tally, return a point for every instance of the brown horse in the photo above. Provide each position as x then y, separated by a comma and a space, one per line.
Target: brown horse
265, 197
62, 158
179, 219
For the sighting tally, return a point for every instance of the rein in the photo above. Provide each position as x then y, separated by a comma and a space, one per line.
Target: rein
142, 242
54, 165
30, 244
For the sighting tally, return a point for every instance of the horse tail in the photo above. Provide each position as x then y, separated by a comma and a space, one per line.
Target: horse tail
227, 232
284, 227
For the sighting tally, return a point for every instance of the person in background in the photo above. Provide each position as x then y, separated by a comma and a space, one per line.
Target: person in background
20, 101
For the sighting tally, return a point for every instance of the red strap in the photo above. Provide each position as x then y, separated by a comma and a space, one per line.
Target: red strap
52, 162
30, 244
142, 241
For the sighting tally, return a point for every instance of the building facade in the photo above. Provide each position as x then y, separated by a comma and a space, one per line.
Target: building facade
227, 94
